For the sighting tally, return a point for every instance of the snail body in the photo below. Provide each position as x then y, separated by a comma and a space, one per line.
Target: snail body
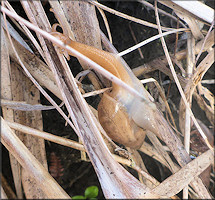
124, 117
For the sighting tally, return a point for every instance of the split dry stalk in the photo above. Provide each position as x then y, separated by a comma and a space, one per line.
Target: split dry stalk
6, 93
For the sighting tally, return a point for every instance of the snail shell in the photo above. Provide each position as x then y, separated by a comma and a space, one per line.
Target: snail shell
118, 125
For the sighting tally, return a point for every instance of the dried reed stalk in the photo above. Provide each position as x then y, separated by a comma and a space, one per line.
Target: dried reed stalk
8, 113
44, 181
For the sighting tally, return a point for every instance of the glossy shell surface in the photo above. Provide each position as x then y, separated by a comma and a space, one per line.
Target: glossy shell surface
119, 126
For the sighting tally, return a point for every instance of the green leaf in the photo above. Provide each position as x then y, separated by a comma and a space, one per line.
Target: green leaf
91, 192
146, 87
78, 197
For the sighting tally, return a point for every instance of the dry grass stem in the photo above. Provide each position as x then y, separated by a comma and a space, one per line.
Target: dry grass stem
195, 168
17, 105
187, 125
204, 42
47, 184
96, 92
135, 39
106, 24
208, 43
197, 76
59, 14
46, 136
162, 12
193, 25
27, 31
197, 8
6, 93
59, 140
211, 81
139, 21
149, 40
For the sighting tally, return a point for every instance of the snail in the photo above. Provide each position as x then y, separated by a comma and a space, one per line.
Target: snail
123, 116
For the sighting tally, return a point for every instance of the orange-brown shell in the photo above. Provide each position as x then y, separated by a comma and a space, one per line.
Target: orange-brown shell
118, 125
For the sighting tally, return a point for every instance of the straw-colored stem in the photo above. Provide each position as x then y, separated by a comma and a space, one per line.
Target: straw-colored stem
139, 21
190, 67
30, 163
